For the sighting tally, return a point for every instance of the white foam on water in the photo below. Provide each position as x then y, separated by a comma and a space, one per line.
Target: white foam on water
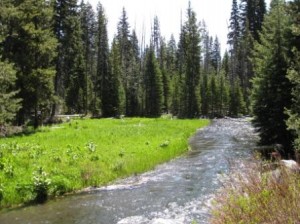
133, 182
128, 183
134, 219
166, 221
195, 210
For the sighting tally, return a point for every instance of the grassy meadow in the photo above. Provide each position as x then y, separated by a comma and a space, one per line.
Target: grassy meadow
64, 158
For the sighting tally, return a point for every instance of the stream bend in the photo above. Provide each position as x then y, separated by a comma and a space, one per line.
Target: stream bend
176, 192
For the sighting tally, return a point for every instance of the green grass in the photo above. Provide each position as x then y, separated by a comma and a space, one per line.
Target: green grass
71, 156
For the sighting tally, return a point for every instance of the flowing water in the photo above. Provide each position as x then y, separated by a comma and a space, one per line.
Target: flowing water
180, 191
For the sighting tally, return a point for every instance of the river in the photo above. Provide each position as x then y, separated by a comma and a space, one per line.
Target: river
180, 191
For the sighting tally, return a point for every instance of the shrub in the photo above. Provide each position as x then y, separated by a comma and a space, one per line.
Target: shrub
259, 197
41, 183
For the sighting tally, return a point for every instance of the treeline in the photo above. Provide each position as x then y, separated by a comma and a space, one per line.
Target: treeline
56, 59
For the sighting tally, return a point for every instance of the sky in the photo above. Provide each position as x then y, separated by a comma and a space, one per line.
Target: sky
215, 13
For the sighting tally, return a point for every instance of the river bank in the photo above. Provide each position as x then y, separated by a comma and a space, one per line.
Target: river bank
258, 191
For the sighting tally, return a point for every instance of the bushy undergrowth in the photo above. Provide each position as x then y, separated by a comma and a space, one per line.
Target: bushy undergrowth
70, 156
259, 197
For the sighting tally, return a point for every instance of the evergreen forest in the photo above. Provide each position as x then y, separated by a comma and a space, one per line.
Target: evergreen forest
56, 58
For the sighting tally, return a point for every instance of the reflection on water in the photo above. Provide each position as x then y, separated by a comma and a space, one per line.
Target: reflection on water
177, 192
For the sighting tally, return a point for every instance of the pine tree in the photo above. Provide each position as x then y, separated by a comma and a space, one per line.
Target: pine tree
205, 95
192, 55
179, 100
160, 49
171, 55
123, 37
30, 45
153, 79
207, 46
237, 104
271, 87
253, 12
234, 40
62, 10
134, 78
223, 94
216, 55
156, 37
245, 64
107, 79
102, 74
172, 72
117, 90
252, 16
8, 101
241, 45
294, 112
166, 79
70, 79
74, 68
225, 64
213, 95
89, 30
294, 72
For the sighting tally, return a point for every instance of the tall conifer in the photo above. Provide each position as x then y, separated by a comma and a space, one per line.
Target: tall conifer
192, 58
271, 87
8, 101
107, 79
89, 28
30, 45
294, 72
70, 79
154, 89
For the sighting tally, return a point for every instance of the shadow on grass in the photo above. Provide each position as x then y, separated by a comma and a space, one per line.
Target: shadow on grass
21, 131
